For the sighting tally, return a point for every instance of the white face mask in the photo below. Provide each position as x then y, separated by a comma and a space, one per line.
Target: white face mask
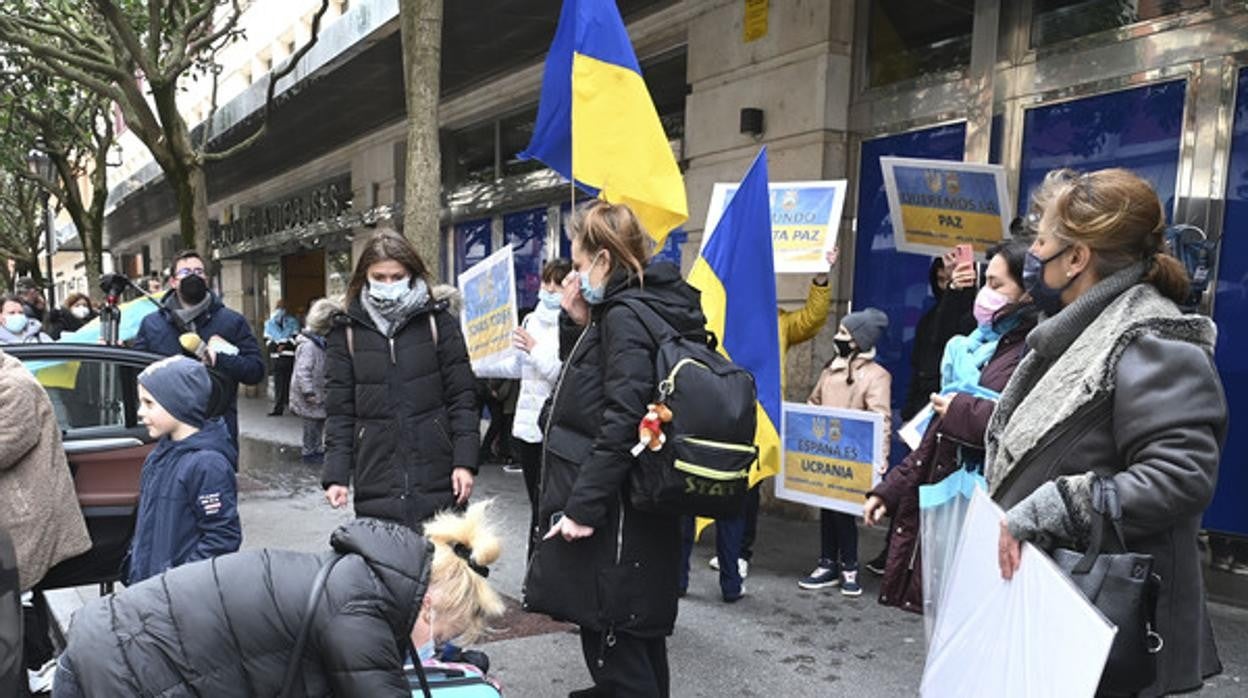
426, 650
389, 291
80, 311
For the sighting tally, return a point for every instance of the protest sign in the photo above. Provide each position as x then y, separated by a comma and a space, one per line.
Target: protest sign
937, 204
489, 313
829, 456
805, 219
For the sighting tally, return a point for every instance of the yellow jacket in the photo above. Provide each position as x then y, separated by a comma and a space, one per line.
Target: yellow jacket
798, 326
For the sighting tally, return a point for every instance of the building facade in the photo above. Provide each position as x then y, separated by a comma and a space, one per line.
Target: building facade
1158, 86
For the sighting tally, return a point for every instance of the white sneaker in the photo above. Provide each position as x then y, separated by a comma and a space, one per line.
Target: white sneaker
713, 563
40, 681
512, 468
743, 568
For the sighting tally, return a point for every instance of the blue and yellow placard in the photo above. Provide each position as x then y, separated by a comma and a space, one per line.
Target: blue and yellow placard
805, 220
489, 313
937, 204
830, 456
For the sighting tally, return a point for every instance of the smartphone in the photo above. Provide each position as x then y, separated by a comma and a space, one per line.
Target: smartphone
964, 254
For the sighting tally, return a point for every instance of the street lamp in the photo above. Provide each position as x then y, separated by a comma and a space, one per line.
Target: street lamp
40, 164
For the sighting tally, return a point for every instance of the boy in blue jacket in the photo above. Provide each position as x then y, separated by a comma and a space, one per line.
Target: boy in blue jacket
188, 495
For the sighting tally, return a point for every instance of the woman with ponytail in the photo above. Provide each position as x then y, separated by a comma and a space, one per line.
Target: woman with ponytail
1119, 388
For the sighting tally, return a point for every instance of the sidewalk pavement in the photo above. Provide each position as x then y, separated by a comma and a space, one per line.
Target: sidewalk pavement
779, 640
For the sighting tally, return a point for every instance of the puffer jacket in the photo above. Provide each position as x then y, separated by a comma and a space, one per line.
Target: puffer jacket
402, 412
624, 576
537, 371
40, 510
871, 389
950, 441
307, 381
226, 626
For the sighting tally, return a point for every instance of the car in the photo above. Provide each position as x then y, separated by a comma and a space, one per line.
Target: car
94, 393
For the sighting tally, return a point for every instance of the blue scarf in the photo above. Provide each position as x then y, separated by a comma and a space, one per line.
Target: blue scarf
965, 358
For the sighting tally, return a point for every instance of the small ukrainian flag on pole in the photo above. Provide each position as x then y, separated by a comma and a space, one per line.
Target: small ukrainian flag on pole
596, 124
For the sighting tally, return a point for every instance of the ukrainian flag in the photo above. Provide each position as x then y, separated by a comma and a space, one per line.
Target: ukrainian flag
596, 124
736, 275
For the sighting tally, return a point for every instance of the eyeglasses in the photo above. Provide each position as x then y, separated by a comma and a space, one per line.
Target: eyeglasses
187, 271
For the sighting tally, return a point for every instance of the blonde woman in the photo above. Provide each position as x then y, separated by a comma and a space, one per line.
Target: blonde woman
227, 626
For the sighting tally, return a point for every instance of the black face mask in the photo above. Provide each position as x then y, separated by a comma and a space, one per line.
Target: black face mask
193, 289
843, 347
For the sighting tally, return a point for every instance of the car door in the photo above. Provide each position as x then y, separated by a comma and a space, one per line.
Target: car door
94, 394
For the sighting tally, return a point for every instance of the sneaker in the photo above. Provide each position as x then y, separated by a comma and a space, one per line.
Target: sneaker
40, 680
735, 597
821, 578
743, 568
876, 566
713, 563
512, 468
849, 583
1239, 567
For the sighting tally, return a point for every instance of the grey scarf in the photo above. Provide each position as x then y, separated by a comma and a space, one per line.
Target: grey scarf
389, 314
187, 315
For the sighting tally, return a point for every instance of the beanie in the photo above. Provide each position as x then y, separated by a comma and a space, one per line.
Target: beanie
181, 386
866, 326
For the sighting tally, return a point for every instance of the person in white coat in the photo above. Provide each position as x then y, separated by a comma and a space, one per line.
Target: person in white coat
537, 366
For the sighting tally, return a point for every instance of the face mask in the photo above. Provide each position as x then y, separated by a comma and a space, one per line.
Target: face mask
193, 289
80, 311
425, 652
988, 302
391, 291
550, 299
843, 347
1045, 297
15, 323
593, 294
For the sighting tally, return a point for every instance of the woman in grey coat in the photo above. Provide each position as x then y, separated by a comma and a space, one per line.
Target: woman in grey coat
307, 383
1117, 383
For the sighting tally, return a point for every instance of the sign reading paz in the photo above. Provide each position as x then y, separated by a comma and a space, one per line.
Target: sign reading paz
937, 204
829, 456
805, 219
489, 313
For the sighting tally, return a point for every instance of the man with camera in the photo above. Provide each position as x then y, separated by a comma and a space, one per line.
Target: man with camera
193, 320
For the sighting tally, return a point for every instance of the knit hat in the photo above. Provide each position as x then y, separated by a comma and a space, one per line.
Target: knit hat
181, 386
865, 327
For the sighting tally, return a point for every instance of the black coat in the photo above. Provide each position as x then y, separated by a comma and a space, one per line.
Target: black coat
402, 412
949, 317
623, 576
226, 626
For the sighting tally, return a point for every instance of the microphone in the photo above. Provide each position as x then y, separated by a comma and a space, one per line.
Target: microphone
196, 347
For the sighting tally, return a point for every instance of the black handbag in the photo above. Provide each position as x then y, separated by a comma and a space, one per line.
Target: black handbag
1123, 586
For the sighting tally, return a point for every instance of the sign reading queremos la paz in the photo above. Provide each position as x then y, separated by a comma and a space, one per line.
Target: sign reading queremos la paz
805, 219
829, 457
937, 204
319, 204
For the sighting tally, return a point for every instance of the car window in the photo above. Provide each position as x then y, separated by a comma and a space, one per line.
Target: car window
89, 394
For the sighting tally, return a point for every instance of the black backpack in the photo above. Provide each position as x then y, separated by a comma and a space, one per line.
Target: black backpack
703, 468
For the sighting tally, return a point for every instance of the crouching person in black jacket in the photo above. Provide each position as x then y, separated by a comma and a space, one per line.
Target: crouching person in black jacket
602, 564
227, 626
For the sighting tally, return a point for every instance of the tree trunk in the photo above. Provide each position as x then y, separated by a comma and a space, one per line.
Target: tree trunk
190, 186
420, 22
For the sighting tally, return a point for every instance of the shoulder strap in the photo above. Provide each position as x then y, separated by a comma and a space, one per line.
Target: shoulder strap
658, 328
301, 639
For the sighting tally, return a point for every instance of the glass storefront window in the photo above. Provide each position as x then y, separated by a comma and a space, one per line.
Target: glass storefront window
337, 273
904, 44
514, 133
272, 286
468, 155
525, 231
472, 243
1054, 21
1138, 129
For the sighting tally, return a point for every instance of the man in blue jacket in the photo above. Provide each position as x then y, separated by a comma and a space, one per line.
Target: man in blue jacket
191, 307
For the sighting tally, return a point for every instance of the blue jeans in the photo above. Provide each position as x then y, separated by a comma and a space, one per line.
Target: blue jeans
838, 540
65, 682
728, 536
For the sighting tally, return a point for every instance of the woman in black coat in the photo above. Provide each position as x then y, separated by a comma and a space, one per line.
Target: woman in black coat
402, 423
227, 626
602, 564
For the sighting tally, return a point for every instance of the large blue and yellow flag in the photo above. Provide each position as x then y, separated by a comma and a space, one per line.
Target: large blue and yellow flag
596, 124
736, 274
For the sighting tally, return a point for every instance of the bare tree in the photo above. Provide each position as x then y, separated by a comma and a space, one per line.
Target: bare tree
21, 226
420, 23
72, 127
137, 54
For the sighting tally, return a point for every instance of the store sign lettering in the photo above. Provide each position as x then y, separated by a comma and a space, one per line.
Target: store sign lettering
318, 205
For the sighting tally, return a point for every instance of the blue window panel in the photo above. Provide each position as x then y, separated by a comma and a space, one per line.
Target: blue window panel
883, 277
670, 251
525, 231
1138, 129
1228, 513
473, 242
